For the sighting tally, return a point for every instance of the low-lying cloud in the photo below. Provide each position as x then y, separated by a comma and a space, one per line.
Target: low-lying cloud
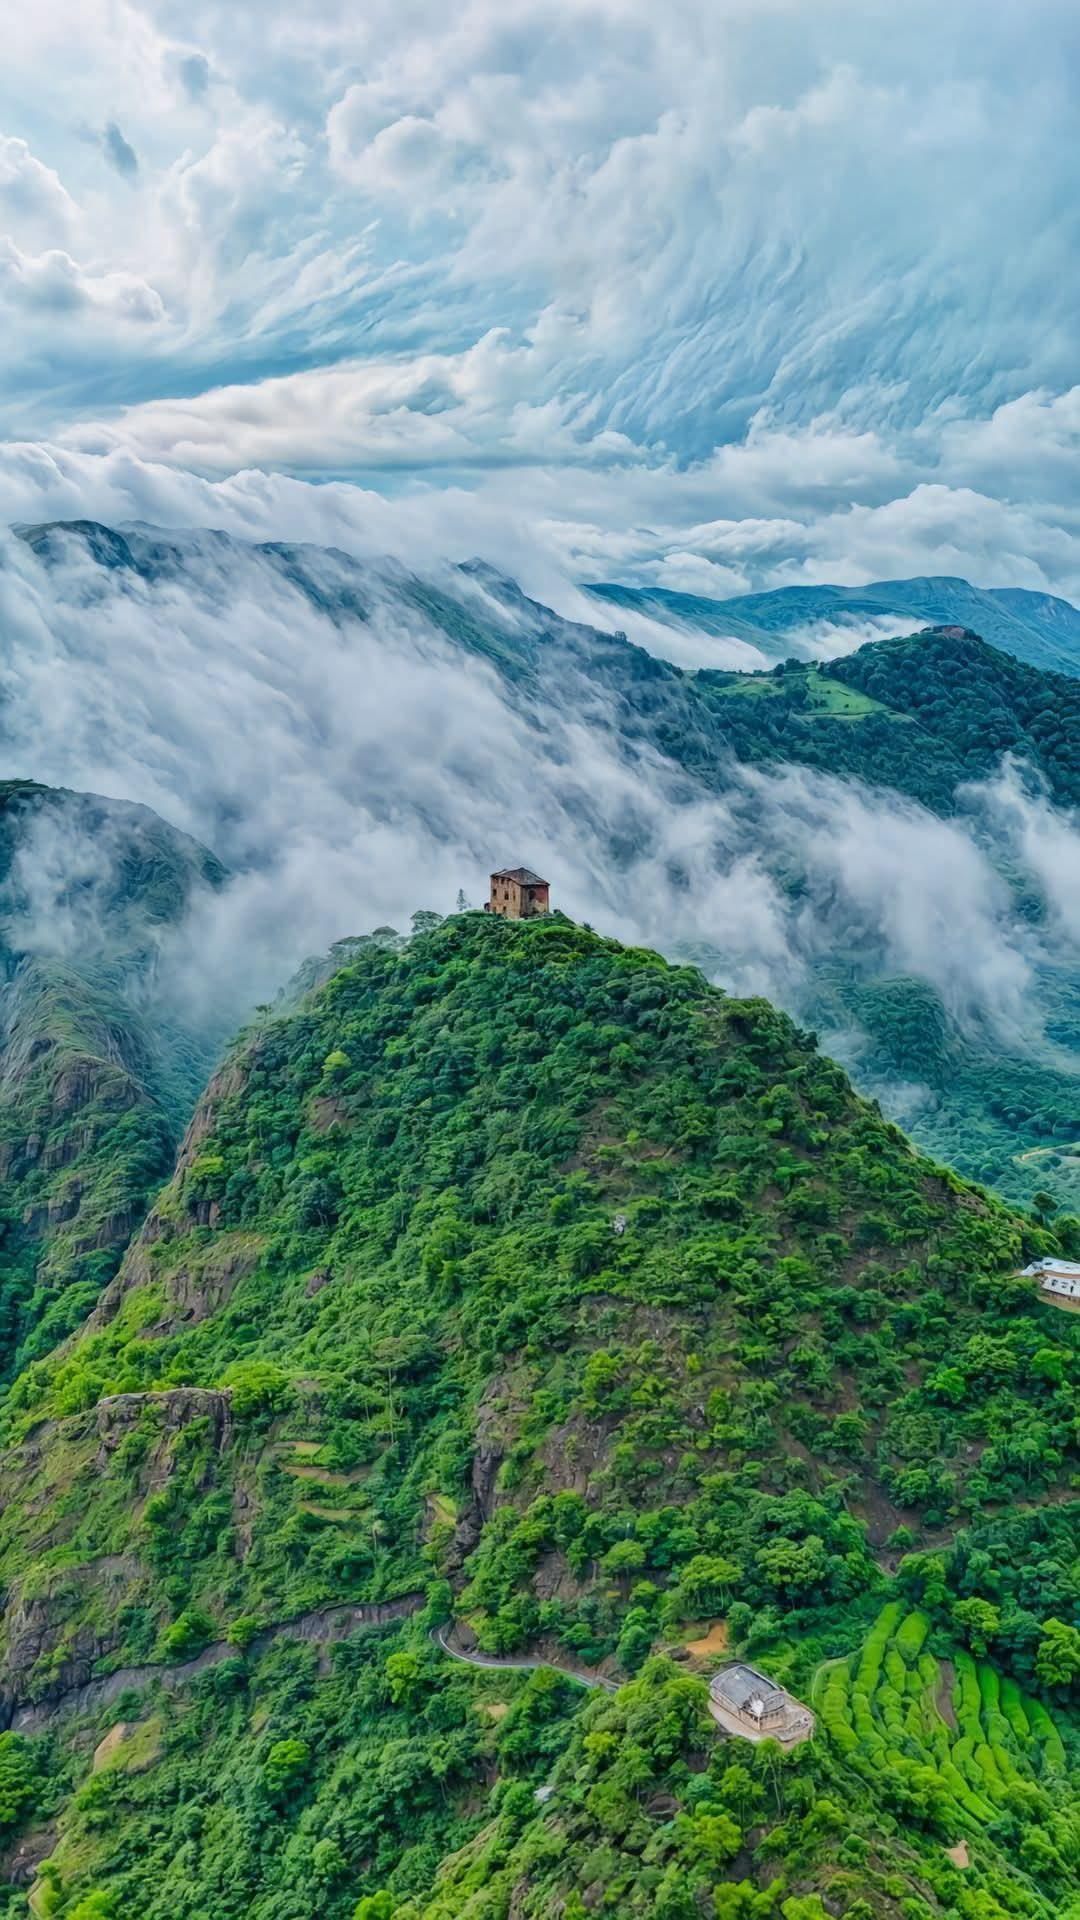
351, 770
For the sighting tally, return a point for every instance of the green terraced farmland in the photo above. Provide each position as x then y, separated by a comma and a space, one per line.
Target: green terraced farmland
970, 1753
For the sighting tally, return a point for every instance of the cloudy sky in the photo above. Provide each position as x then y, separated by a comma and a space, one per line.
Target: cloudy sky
719, 294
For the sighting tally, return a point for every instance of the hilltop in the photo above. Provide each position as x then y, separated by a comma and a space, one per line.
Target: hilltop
379, 1346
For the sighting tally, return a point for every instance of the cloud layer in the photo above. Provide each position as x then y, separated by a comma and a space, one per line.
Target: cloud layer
730, 295
350, 770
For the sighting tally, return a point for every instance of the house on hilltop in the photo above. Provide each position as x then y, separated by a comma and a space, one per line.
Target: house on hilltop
1060, 1278
745, 1702
518, 894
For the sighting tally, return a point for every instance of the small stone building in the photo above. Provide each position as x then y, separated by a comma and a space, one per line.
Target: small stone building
746, 1702
518, 894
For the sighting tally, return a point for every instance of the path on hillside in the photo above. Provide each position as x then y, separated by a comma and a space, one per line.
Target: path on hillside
322, 1626
438, 1634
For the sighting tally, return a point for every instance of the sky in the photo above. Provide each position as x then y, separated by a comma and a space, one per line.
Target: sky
719, 295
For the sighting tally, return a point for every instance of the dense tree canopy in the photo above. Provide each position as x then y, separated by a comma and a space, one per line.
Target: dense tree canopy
380, 1345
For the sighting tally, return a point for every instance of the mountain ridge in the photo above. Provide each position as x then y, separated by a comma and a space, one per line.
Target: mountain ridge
1041, 629
926, 721
97, 1075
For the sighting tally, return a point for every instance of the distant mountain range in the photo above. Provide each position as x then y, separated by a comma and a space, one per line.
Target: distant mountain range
1037, 627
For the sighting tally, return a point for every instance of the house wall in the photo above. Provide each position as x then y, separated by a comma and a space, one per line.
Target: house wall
516, 902
506, 898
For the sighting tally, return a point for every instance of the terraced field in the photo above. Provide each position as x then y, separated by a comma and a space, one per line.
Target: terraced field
973, 1749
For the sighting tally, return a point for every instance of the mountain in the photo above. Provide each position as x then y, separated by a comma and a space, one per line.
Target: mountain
1038, 628
742, 819
520, 1296
97, 1075
976, 702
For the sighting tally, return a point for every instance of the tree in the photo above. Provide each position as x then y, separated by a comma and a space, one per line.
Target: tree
241, 1632
405, 1675
18, 1777
1057, 1661
188, 1634
375, 1906
707, 1581
626, 1556
285, 1765
979, 1621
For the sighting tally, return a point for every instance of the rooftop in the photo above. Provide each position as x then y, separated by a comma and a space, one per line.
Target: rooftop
738, 1685
745, 1702
1051, 1264
524, 876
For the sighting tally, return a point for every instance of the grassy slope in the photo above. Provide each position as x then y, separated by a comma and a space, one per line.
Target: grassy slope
428, 1364
938, 711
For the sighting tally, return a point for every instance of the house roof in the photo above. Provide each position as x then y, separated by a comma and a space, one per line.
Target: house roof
738, 1685
1052, 1265
524, 876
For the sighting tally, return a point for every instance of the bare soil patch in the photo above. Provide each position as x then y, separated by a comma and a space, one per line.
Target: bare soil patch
713, 1642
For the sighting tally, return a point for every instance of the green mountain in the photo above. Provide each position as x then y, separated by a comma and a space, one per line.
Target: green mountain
912, 720
928, 716
518, 1297
97, 1077
1038, 628
924, 715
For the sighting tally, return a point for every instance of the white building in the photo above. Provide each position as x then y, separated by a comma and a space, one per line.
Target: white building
1059, 1277
744, 1701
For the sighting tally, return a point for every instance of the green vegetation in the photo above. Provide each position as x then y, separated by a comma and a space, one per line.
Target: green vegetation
379, 1345
965, 1752
98, 1077
934, 711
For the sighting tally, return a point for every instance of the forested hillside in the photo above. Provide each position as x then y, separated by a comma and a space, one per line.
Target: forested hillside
97, 1075
521, 1284
925, 715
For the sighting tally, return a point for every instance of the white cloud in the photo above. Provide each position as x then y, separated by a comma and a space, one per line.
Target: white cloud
52, 285
32, 196
331, 761
712, 297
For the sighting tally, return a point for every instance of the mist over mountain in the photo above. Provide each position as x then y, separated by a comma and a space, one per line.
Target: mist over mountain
823, 623
557, 1403
867, 845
